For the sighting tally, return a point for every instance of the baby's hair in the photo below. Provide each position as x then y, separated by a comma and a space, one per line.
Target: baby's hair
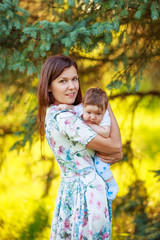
96, 96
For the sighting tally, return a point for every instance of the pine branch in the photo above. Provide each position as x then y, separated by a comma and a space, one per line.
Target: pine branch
140, 94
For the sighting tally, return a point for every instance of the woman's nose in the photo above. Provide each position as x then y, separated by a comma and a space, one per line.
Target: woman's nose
70, 85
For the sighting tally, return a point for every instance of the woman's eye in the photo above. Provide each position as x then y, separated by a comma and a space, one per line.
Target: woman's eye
62, 81
75, 79
88, 112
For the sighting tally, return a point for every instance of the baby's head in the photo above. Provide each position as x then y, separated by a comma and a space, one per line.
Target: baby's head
95, 103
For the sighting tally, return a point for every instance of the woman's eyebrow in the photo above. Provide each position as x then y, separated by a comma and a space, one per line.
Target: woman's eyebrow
68, 78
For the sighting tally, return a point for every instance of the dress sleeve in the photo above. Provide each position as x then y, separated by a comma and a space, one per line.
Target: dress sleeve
78, 109
106, 121
74, 128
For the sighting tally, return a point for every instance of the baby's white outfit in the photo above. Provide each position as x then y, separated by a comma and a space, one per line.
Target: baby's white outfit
101, 167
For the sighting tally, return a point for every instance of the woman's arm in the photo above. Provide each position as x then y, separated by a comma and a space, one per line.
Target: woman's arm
111, 144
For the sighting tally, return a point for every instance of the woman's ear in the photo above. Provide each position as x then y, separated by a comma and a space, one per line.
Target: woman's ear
49, 89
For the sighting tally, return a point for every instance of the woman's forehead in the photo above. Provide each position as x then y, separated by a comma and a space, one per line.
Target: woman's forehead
68, 72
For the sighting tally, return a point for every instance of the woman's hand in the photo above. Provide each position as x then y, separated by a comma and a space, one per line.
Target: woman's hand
110, 158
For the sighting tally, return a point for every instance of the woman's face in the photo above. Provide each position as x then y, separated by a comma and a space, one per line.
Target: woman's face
65, 87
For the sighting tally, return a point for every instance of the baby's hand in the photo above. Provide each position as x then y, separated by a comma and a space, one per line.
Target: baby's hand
64, 107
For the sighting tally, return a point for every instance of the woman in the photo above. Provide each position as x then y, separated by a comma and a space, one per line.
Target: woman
82, 211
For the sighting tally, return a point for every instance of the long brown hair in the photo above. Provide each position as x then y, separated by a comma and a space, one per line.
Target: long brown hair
51, 69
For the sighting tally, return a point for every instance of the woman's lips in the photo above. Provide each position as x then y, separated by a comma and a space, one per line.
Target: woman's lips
70, 94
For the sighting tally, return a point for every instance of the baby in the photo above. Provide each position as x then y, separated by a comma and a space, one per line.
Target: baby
94, 112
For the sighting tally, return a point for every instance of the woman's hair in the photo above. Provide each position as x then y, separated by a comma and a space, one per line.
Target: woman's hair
96, 96
51, 69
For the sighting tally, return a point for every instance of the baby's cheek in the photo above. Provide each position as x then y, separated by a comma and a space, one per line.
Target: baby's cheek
85, 117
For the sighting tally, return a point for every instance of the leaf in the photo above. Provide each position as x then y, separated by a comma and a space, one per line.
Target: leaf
124, 13
22, 68
10, 13
157, 174
43, 35
43, 47
154, 10
16, 145
2, 63
66, 41
30, 31
111, 3
66, 51
74, 35
64, 26
8, 3
116, 24
23, 38
114, 84
78, 155
84, 45
106, 49
87, 40
25, 12
30, 68
108, 37
36, 52
141, 11
31, 45
82, 30
3, 8
16, 23
120, 39
71, 3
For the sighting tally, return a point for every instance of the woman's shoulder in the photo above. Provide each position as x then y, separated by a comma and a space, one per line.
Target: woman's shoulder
53, 112
51, 108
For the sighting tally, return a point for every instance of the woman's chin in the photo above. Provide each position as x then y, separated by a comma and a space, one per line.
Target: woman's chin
70, 101
65, 101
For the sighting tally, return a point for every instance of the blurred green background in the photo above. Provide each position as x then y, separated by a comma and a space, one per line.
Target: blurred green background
116, 46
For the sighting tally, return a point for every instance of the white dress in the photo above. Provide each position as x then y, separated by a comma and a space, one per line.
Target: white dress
82, 211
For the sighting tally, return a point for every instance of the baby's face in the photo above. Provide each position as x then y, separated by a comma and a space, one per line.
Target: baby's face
93, 114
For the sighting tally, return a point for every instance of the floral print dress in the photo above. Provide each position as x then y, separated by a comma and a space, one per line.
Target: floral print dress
82, 211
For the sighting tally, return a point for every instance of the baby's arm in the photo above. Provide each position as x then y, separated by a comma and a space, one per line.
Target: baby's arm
103, 128
65, 106
78, 109
104, 131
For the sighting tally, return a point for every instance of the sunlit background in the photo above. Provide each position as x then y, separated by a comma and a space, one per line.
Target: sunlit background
29, 175
29, 183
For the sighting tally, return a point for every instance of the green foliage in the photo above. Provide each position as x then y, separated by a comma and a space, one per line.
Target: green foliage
141, 11
35, 228
136, 207
157, 174
28, 131
12, 17
78, 29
